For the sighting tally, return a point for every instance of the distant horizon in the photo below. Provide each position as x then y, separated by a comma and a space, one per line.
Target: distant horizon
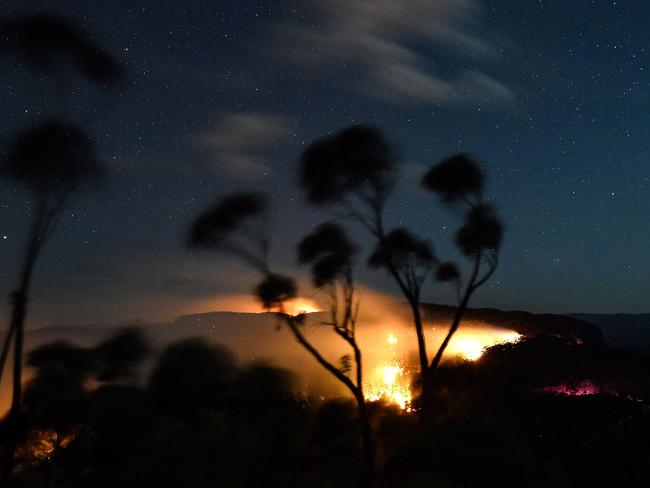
144, 322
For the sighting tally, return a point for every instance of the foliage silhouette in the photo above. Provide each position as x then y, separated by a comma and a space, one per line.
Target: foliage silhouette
406, 253
118, 357
49, 42
496, 414
454, 179
275, 289
224, 227
356, 161
235, 225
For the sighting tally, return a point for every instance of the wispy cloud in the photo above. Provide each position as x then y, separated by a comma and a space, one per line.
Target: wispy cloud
387, 44
237, 145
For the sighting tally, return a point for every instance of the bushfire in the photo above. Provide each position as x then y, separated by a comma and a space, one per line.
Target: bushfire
390, 380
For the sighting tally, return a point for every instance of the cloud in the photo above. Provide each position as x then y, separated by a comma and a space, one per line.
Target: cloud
237, 144
375, 39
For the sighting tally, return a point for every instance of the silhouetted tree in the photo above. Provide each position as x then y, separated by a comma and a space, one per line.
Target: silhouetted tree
409, 260
459, 180
54, 160
236, 226
51, 43
330, 253
354, 172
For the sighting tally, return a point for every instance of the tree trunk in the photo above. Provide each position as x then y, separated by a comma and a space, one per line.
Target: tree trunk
367, 444
19, 313
458, 316
357, 392
6, 347
427, 387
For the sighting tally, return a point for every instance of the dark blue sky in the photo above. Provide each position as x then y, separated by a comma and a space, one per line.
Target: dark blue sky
552, 97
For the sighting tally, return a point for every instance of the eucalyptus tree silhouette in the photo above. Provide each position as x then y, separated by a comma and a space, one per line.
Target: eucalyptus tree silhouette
53, 160
354, 172
236, 225
459, 180
52, 44
330, 253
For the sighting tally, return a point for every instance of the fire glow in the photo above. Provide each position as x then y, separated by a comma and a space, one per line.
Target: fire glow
389, 381
471, 344
298, 306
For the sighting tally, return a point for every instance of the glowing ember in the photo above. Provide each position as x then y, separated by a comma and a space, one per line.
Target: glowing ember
389, 382
42, 444
470, 344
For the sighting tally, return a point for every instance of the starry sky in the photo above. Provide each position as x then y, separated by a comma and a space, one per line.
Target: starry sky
552, 97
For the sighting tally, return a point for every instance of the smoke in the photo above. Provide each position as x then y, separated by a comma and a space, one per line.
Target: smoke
385, 334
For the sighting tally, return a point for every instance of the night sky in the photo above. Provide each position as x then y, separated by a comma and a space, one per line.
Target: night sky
552, 97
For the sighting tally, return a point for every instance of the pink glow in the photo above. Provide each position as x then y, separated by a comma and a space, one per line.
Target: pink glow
585, 387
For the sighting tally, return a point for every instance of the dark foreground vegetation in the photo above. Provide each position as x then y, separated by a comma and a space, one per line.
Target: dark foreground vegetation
566, 415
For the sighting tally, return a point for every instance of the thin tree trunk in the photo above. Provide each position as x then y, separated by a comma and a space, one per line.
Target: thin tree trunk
419, 331
460, 311
4, 356
366, 440
357, 392
435, 362
19, 314
458, 316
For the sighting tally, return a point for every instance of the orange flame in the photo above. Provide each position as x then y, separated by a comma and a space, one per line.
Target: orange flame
389, 381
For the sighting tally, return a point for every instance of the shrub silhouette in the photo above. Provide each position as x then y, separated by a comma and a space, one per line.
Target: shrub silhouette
494, 413
192, 376
118, 357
